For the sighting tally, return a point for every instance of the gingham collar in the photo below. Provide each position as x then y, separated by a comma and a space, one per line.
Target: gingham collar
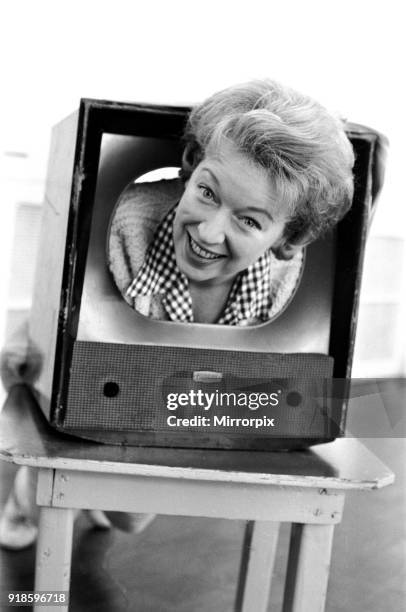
249, 297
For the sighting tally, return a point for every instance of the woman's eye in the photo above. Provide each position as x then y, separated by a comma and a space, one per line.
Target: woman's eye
250, 222
206, 192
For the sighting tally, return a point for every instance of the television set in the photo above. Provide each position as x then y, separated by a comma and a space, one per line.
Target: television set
111, 375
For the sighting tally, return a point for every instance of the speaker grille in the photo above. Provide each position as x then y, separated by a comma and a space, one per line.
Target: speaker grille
115, 387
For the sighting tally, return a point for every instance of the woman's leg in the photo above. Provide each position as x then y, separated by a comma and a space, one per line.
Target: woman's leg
19, 520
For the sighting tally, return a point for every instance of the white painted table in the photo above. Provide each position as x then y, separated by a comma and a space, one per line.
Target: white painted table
305, 488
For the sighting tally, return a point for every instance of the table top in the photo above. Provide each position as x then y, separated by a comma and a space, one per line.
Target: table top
27, 439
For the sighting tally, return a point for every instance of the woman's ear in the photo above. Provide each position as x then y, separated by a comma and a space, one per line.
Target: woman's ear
297, 235
192, 155
284, 249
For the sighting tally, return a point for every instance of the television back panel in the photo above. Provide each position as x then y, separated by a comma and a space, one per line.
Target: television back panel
109, 373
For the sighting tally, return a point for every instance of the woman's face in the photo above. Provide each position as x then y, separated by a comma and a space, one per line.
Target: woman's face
228, 217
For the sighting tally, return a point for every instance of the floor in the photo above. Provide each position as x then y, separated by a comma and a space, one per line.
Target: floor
191, 565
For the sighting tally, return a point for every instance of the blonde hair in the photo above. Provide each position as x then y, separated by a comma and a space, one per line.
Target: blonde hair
303, 147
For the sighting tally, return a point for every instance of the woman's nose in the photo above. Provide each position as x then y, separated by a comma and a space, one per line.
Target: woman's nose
212, 230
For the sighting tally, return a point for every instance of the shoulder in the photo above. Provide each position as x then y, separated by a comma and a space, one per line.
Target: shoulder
144, 204
135, 219
285, 278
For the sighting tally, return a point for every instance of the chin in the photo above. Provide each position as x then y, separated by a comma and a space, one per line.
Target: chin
197, 276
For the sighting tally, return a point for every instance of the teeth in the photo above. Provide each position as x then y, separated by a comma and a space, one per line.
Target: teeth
202, 252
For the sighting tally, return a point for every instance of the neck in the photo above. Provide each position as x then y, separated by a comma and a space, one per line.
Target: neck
208, 301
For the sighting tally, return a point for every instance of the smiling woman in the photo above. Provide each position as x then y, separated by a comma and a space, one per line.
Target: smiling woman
230, 210
227, 218
265, 171
177, 255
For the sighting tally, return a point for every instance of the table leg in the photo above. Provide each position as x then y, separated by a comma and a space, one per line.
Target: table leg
54, 548
308, 568
257, 563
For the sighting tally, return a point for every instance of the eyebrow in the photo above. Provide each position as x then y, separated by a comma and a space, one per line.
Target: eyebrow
264, 211
213, 176
257, 209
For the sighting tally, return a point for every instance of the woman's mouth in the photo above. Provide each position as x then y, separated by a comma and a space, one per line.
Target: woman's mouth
201, 252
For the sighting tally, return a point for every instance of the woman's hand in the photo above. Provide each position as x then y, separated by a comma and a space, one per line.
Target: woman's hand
20, 362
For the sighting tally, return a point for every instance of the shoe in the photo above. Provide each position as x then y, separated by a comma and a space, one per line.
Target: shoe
131, 522
17, 531
98, 519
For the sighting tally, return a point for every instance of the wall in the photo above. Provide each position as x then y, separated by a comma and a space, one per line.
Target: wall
346, 54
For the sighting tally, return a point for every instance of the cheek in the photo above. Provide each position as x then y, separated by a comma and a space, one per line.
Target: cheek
178, 228
274, 236
245, 251
250, 249
186, 211
182, 213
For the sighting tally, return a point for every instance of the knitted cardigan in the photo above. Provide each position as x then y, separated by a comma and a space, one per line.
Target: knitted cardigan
136, 217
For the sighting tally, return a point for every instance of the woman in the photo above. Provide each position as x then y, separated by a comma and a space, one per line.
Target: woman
265, 171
